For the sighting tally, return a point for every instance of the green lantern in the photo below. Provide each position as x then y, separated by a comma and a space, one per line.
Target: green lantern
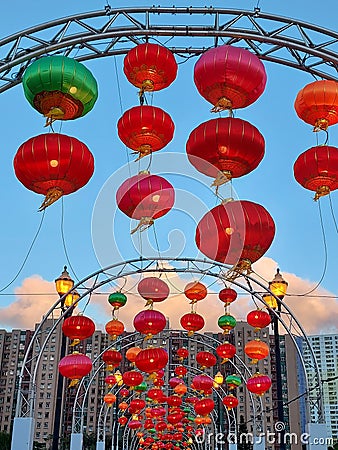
141, 387
117, 300
227, 322
60, 88
233, 381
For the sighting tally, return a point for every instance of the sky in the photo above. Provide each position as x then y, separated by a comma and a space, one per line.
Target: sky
86, 228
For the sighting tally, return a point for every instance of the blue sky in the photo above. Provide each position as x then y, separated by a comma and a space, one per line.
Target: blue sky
298, 244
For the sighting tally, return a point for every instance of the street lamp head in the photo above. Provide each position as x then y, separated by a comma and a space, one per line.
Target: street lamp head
278, 286
64, 283
71, 298
270, 301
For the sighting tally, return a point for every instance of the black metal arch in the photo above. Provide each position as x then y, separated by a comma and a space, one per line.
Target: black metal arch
185, 31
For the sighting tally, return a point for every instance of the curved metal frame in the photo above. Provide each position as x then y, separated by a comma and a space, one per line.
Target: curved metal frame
114, 31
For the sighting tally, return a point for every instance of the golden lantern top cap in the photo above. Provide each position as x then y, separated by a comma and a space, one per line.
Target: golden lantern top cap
64, 283
278, 286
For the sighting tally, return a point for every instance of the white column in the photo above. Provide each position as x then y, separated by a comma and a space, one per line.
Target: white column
316, 437
100, 445
23, 431
259, 443
76, 441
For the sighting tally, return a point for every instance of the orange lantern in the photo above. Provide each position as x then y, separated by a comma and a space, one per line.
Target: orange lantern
114, 328
256, 350
132, 352
195, 291
109, 399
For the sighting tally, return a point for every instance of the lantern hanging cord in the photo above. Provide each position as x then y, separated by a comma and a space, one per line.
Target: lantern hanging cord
27, 255
332, 213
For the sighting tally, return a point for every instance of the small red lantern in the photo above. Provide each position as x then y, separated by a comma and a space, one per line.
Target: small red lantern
122, 420
134, 424
258, 384
110, 380
153, 289
174, 400
230, 401
53, 165
136, 405
151, 359
161, 426
181, 371
195, 291
114, 328
109, 399
182, 353
202, 382
149, 322
132, 378
238, 232
145, 129
258, 319
317, 170
192, 322
112, 358
174, 381
78, 327
150, 67
229, 77
206, 359
227, 296
124, 392
155, 394
234, 148
75, 367
226, 351
204, 406
256, 350
317, 104
145, 197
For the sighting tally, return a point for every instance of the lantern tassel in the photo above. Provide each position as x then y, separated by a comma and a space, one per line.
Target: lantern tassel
51, 197
222, 104
241, 268
223, 176
75, 342
143, 224
321, 191
73, 383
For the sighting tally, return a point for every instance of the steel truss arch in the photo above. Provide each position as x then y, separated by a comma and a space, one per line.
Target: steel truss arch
114, 31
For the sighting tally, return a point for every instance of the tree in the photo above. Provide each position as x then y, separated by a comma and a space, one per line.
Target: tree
89, 441
5, 441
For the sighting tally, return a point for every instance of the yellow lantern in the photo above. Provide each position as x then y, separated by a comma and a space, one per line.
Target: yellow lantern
278, 286
218, 380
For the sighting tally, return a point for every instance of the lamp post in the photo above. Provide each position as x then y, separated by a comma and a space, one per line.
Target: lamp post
278, 286
63, 284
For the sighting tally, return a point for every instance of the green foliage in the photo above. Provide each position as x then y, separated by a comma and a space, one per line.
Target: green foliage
5, 441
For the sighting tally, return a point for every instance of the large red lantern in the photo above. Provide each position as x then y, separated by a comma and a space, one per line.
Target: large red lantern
78, 327
114, 328
258, 319
174, 400
317, 104
155, 394
145, 197
238, 232
112, 358
202, 382
192, 322
145, 129
149, 322
195, 291
206, 359
256, 350
182, 353
150, 67
151, 359
226, 351
230, 401
53, 165
204, 406
136, 405
153, 289
317, 169
258, 384
225, 148
75, 367
132, 378
229, 77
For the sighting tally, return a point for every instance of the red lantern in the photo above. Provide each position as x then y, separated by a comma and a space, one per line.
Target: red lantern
161, 426
206, 359
234, 148
112, 358
192, 322
132, 378
175, 418
202, 382
149, 322
151, 359
182, 353
238, 232
53, 165
114, 328
136, 405
317, 169
256, 350
75, 367
131, 353
134, 424
145, 129
150, 67
195, 291
123, 406
124, 392
226, 351
174, 400
258, 384
227, 296
155, 394
109, 399
180, 371
258, 319
230, 401
153, 289
110, 380
122, 420
78, 327
229, 77
317, 104
174, 381
204, 406
145, 197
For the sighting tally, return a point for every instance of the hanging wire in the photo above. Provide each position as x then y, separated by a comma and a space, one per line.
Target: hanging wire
332, 213
27, 255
